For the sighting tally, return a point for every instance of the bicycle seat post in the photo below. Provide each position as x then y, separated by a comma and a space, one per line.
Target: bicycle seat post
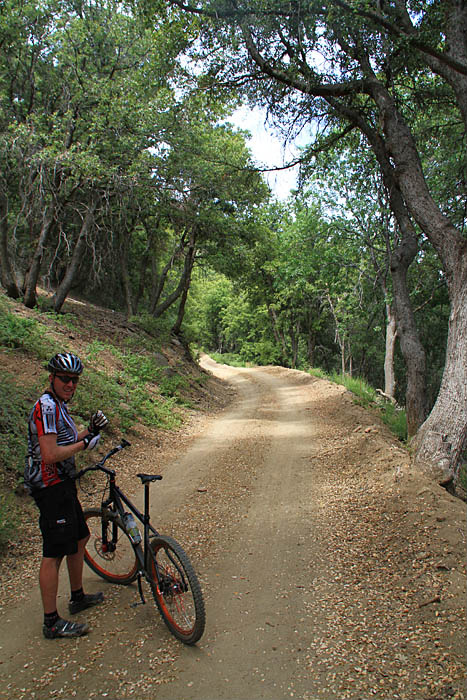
146, 503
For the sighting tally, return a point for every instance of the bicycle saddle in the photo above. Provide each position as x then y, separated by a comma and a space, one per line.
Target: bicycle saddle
146, 478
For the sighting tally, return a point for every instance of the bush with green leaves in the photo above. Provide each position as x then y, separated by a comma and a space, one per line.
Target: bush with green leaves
8, 517
15, 405
17, 332
392, 416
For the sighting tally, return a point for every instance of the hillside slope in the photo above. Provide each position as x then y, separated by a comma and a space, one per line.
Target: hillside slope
146, 386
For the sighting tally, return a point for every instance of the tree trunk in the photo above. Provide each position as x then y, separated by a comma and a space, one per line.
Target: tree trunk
144, 264
411, 347
72, 269
126, 276
402, 159
391, 336
30, 285
8, 277
188, 268
171, 298
294, 341
442, 437
157, 292
278, 335
440, 441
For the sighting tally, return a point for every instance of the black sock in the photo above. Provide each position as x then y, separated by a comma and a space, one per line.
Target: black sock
77, 595
50, 619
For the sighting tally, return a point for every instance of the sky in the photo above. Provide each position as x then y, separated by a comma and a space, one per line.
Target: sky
267, 148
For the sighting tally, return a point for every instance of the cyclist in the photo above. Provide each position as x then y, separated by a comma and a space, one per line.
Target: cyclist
53, 441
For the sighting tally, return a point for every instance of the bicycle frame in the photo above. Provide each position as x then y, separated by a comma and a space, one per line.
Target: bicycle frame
114, 503
118, 498
156, 558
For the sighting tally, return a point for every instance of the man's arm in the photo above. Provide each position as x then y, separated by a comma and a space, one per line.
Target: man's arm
51, 452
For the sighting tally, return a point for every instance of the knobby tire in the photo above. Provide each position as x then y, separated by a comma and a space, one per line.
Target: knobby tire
176, 590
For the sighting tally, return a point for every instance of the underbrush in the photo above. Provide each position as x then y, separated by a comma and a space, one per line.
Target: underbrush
393, 416
229, 358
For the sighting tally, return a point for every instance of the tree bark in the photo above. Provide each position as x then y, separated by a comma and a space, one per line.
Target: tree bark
391, 336
278, 335
442, 437
145, 259
126, 276
411, 347
171, 298
8, 277
72, 269
157, 292
188, 269
32, 276
451, 246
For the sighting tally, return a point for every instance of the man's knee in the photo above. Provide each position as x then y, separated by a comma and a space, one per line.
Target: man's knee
51, 563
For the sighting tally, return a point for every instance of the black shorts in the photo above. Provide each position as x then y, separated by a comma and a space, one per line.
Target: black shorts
61, 519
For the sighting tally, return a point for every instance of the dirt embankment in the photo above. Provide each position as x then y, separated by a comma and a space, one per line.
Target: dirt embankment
330, 568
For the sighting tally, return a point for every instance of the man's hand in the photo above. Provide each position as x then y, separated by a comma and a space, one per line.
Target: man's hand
91, 441
97, 423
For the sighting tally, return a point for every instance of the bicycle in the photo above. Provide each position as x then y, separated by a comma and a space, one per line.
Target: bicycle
119, 554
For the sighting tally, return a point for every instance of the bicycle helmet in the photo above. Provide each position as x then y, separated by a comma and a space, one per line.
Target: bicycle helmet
65, 362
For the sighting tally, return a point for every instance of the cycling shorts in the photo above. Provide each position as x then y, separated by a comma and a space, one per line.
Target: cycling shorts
61, 519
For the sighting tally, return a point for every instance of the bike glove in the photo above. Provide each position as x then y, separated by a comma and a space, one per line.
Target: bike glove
91, 441
97, 422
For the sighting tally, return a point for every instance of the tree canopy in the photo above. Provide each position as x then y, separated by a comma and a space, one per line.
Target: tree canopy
122, 178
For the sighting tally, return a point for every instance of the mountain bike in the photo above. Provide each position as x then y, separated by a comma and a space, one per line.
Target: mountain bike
119, 553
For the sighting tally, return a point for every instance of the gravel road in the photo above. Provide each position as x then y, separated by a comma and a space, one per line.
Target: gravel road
330, 569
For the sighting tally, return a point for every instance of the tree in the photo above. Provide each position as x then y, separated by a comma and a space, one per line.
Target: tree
86, 94
368, 59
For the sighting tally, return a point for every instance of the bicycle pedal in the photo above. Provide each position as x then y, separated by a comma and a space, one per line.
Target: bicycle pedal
139, 602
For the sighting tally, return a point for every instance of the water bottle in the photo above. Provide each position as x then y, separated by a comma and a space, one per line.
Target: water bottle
131, 528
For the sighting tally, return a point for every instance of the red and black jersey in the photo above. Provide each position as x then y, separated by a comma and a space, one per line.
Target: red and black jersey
49, 415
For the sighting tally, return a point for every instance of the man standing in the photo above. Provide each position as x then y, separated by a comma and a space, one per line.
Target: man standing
53, 441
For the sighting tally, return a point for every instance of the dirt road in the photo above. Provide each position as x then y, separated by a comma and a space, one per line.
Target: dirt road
330, 569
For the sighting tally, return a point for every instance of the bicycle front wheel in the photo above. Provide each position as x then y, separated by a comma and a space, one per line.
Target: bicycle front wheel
109, 552
176, 590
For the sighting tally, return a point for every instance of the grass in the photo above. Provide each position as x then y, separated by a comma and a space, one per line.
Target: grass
9, 515
229, 358
18, 333
393, 416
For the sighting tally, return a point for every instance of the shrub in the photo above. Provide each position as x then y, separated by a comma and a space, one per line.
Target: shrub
25, 334
15, 405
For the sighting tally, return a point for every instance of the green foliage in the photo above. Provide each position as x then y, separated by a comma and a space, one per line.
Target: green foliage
27, 334
15, 404
157, 327
8, 517
228, 358
126, 396
393, 416
318, 372
366, 395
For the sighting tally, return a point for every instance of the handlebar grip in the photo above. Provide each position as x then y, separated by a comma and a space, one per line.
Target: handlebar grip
125, 443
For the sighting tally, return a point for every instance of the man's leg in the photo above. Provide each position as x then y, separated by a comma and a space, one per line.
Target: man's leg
79, 599
75, 565
48, 582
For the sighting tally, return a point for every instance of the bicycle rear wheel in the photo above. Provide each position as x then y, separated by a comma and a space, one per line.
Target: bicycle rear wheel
176, 590
109, 552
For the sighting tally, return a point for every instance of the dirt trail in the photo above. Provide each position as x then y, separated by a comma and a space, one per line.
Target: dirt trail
330, 569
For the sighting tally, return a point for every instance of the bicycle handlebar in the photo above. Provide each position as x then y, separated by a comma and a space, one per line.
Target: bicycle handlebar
100, 465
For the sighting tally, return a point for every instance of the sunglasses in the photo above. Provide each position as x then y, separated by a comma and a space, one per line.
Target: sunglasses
67, 380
